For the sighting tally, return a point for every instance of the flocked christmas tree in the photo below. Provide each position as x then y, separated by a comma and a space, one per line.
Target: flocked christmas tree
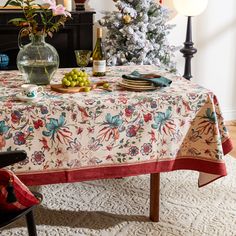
137, 34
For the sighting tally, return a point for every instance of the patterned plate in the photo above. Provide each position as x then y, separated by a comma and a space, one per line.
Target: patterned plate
136, 87
136, 82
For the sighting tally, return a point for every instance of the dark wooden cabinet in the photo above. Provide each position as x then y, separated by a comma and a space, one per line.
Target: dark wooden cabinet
76, 34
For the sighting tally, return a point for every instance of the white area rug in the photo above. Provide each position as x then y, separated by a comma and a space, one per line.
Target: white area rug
121, 206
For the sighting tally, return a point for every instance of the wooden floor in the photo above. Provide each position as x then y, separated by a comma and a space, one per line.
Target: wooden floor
231, 125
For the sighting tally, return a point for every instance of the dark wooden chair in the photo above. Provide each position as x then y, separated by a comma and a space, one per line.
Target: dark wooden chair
6, 218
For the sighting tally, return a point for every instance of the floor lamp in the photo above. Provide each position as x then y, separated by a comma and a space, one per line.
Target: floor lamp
189, 8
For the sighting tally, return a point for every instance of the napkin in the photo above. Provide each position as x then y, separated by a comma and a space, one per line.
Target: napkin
157, 80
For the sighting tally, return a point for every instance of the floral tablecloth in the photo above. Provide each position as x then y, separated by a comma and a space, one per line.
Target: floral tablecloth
101, 134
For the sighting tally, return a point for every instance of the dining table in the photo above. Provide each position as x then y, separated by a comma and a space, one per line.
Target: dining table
73, 137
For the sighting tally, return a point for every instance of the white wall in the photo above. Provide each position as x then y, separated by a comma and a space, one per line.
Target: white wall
214, 35
215, 62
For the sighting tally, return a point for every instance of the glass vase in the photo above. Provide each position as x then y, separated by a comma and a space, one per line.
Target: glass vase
38, 60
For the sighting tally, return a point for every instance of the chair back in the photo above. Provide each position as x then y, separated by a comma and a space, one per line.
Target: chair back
11, 157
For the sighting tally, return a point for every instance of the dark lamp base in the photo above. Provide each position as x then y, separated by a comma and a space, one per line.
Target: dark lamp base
188, 50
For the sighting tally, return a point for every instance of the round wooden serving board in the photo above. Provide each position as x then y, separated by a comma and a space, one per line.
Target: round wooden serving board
61, 89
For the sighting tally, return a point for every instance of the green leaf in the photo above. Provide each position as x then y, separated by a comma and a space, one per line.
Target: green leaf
17, 20
44, 20
7, 3
13, 3
30, 137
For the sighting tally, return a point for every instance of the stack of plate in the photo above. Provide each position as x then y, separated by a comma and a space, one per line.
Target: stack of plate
136, 85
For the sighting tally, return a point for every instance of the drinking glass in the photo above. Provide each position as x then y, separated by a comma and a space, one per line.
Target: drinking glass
82, 58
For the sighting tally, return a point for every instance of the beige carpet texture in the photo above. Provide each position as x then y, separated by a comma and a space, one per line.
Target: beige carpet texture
120, 207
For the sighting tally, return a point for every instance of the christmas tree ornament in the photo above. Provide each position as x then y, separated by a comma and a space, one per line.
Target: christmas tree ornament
127, 19
119, 16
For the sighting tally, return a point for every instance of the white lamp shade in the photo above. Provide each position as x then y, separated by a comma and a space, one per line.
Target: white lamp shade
190, 7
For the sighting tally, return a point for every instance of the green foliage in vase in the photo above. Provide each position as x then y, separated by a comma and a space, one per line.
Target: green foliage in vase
39, 19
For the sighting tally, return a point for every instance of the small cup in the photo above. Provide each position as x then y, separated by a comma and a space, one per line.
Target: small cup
31, 90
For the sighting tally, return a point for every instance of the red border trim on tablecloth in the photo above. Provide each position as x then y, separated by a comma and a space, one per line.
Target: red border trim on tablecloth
125, 170
227, 146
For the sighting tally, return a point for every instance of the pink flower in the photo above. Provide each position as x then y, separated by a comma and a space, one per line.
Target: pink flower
45, 21
147, 117
38, 158
57, 9
60, 10
131, 131
146, 149
129, 111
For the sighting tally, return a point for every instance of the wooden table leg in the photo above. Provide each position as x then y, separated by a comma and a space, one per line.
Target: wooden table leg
154, 196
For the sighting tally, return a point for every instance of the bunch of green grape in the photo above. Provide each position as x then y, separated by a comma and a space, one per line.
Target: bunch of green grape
76, 78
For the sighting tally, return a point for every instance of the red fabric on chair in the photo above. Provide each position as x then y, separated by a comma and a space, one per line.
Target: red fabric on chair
24, 197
